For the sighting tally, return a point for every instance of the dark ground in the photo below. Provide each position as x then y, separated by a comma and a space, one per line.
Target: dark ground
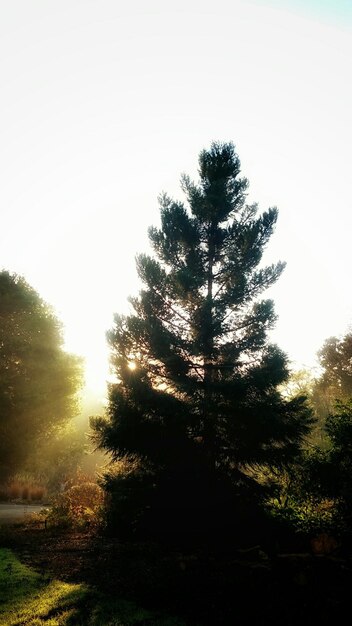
204, 587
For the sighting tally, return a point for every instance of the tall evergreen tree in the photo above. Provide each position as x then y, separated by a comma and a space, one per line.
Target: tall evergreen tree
196, 401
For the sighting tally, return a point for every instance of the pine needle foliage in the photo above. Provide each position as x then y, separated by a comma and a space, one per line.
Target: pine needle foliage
197, 404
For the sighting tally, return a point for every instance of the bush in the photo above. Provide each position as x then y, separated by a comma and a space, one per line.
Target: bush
79, 506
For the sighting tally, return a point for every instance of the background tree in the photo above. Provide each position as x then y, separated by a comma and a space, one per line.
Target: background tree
38, 379
333, 399
335, 382
339, 431
197, 404
57, 456
320, 397
319, 487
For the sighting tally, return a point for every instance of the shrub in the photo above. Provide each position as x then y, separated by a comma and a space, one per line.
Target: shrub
79, 506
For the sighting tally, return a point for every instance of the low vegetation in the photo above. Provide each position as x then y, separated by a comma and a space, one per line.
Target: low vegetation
79, 505
33, 599
22, 490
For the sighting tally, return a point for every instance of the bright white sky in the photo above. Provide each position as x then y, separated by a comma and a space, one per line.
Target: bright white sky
105, 103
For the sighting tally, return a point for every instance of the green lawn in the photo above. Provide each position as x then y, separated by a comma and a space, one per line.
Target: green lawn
28, 598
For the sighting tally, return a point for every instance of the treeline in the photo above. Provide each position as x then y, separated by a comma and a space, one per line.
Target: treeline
208, 432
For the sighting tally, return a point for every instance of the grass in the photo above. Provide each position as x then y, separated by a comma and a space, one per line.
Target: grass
32, 599
28, 598
22, 490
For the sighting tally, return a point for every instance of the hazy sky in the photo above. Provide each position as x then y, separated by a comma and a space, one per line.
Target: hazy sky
105, 103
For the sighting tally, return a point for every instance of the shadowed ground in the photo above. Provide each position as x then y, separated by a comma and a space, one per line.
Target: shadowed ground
29, 597
199, 587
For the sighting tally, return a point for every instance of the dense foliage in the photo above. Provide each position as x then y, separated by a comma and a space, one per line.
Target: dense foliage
335, 381
38, 379
326, 472
197, 403
323, 389
316, 493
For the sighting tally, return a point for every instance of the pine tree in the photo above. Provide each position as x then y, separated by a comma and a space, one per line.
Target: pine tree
196, 403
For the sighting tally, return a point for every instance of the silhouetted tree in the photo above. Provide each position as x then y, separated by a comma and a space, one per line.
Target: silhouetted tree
197, 402
38, 379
